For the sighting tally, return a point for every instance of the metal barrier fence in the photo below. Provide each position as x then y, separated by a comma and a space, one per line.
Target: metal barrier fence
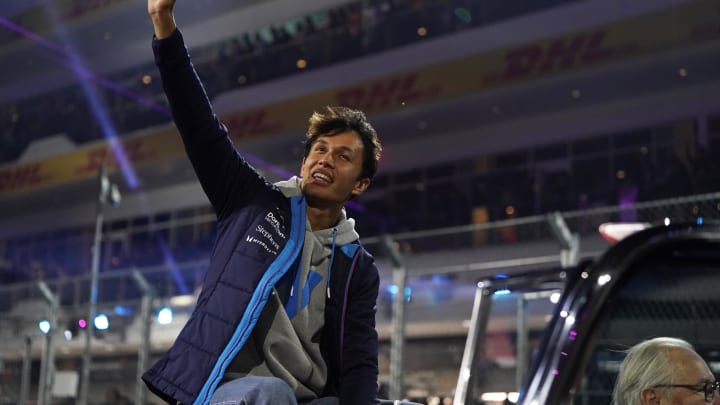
183, 277
480, 249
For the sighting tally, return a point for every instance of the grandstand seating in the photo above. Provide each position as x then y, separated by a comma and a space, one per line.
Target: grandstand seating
349, 31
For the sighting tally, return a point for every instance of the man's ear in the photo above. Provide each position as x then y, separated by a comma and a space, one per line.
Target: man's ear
649, 396
360, 186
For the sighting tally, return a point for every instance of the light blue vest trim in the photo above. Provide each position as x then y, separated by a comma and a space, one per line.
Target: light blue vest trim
259, 298
350, 249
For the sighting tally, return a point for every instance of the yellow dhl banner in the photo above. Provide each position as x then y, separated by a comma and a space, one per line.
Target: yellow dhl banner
84, 163
687, 25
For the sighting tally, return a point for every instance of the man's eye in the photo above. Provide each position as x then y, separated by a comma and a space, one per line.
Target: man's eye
344, 157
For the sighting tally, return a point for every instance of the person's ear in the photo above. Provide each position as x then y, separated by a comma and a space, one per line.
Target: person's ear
360, 186
649, 396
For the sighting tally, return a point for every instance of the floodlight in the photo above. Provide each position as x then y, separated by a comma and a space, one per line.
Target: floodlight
165, 316
101, 322
44, 326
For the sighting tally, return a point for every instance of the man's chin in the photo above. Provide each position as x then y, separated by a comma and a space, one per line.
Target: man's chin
314, 187
317, 198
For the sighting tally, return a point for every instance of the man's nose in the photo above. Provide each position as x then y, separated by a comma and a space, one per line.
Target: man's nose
327, 160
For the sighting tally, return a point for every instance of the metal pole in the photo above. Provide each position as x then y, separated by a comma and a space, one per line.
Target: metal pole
475, 340
149, 295
397, 338
585, 399
94, 270
47, 364
25, 376
143, 349
521, 358
569, 242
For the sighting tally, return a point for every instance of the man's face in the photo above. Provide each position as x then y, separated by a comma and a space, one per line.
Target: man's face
690, 369
331, 169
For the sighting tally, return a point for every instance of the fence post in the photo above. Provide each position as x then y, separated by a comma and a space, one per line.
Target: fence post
521, 358
25, 376
47, 364
149, 294
569, 242
397, 339
475, 341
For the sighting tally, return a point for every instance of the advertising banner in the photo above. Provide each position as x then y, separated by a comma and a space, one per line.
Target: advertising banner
690, 24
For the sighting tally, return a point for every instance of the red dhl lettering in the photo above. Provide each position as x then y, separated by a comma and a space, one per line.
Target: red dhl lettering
560, 54
133, 149
19, 177
95, 159
383, 94
253, 123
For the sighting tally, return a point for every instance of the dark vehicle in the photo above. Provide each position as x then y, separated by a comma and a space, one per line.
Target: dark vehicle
662, 281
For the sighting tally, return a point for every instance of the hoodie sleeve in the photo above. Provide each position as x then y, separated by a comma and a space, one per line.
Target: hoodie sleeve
225, 177
358, 383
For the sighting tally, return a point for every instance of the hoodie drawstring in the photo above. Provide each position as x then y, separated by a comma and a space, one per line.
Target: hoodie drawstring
332, 256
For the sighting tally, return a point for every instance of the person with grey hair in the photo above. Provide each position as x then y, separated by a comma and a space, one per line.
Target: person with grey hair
665, 371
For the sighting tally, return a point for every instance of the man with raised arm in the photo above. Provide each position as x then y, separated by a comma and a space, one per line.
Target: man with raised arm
286, 314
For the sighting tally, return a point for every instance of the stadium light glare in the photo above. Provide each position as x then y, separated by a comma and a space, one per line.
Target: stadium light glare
502, 291
44, 326
408, 293
555, 297
101, 322
165, 316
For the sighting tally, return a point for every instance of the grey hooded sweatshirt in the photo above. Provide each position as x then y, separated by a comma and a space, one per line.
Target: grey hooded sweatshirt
286, 340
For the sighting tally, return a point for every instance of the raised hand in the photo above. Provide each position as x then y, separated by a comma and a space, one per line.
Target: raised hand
161, 13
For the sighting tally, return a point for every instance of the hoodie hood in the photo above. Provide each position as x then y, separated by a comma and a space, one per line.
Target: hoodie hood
344, 229
291, 187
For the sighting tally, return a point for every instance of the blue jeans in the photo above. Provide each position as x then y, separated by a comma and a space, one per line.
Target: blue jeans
261, 391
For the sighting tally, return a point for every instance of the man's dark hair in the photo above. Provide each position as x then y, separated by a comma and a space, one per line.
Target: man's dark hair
335, 120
